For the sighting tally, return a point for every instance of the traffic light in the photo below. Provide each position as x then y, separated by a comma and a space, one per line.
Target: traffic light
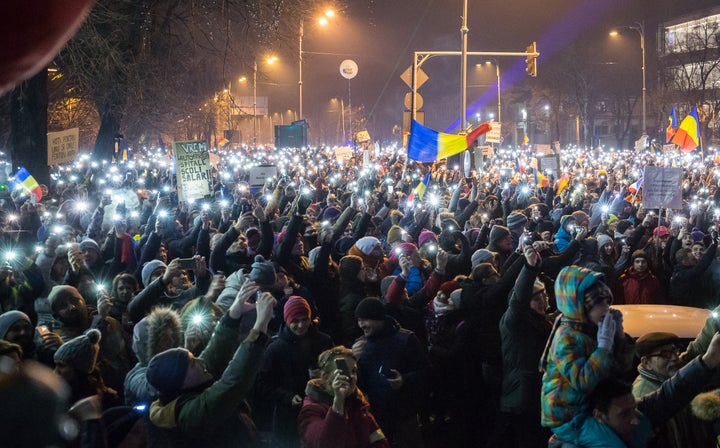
531, 59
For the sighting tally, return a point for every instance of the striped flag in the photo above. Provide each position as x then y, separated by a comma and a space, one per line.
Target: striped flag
419, 190
23, 179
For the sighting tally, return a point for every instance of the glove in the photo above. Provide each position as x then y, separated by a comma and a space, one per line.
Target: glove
606, 332
618, 318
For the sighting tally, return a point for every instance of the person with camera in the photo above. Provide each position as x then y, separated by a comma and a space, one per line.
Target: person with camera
335, 413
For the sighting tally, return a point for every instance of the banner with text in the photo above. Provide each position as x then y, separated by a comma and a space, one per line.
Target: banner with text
192, 165
62, 146
662, 187
494, 136
258, 175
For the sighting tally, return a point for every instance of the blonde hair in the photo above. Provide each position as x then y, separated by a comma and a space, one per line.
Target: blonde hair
326, 358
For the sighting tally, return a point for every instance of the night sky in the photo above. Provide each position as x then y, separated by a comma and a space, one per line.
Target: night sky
381, 35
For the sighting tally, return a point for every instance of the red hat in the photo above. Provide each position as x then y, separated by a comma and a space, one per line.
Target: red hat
296, 308
661, 231
448, 287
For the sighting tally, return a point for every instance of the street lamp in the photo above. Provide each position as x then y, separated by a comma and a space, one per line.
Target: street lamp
270, 60
497, 73
640, 28
322, 21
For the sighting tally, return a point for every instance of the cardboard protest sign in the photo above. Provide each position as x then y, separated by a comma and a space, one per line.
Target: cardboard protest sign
257, 175
662, 187
192, 167
62, 146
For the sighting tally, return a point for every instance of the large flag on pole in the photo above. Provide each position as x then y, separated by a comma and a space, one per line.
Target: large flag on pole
426, 145
687, 136
672, 125
23, 179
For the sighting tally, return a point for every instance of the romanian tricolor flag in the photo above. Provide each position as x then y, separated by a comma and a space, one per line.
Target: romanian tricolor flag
23, 179
541, 181
633, 188
222, 141
562, 183
672, 125
687, 136
426, 145
419, 190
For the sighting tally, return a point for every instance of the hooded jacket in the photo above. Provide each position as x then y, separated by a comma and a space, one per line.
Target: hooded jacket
574, 364
639, 288
321, 427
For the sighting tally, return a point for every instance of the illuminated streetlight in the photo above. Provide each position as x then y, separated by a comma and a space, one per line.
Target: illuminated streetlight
497, 73
322, 21
270, 60
640, 28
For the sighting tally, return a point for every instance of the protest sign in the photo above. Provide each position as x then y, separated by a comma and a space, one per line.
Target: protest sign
343, 153
257, 175
192, 165
495, 133
662, 187
62, 146
549, 164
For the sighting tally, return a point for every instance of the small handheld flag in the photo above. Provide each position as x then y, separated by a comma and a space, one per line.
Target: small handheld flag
672, 125
23, 179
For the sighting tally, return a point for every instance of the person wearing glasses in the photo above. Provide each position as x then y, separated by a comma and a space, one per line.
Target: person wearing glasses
659, 361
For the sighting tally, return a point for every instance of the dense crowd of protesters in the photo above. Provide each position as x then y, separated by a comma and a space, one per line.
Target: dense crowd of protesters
338, 305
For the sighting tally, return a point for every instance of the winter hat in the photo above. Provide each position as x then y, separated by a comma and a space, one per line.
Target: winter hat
81, 352
89, 244
139, 340
385, 284
8, 319
60, 292
296, 307
623, 225
313, 255
370, 308
498, 233
612, 218
149, 268
331, 214
545, 226
455, 298
394, 234
425, 236
262, 272
516, 220
366, 244
639, 254
602, 240
166, 371
407, 249
581, 218
660, 232
697, 235
349, 267
481, 256
449, 286
648, 343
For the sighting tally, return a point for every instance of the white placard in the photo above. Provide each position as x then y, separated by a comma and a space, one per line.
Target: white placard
343, 153
62, 146
257, 175
662, 187
192, 167
493, 136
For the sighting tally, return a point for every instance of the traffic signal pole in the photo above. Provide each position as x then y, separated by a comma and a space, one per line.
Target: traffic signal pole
420, 57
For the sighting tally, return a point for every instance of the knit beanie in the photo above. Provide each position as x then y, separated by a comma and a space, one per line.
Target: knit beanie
370, 308
425, 236
262, 272
8, 319
60, 292
448, 287
612, 218
697, 235
481, 256
331, 214
602, 240
81, 352
166, 371
296, 307
89, 244
349, 267
623, 225
498, 233
394, 234
149, 268
660, 232
406, 249
581, 218
366, 244
639, 254
516, 220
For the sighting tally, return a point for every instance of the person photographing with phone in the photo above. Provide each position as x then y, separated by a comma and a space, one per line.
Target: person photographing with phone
335, 412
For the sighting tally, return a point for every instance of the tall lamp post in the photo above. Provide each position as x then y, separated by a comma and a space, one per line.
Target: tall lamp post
497, 74
640, 28
270, 60
323, 20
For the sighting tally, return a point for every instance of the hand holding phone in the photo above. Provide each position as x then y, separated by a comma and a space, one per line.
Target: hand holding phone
186, 263
342, 366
